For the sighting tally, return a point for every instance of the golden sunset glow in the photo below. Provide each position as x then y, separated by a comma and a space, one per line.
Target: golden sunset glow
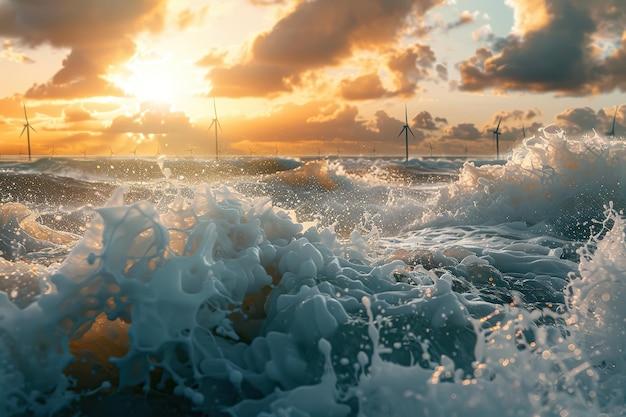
150, 81
307, 78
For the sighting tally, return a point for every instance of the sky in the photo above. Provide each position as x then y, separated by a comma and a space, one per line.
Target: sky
306, 77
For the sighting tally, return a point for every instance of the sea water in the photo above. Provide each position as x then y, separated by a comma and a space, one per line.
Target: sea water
359, 286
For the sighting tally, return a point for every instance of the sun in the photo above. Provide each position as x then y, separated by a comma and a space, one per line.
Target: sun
151, 79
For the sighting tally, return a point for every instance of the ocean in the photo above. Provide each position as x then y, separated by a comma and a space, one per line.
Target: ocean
338, 286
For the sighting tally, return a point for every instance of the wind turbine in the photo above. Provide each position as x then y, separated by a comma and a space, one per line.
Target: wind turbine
612, 132
406, 129
217, 124
496, 136
430, 146
27, 128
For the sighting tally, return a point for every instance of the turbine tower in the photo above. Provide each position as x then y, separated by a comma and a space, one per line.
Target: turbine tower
496, 136
406, 129
27, 127
431, 147
612, 132
217, 124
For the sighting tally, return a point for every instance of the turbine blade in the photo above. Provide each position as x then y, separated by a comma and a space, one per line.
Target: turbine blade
23, 131
25, 115
406, 115
32, 128
499, 121
402, 131
411, 131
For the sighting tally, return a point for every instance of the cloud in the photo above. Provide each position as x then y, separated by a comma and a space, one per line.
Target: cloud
583, 120
464, 19
553, 49
410, 66
152, 118
266, 2
251, 80
462, 131
9, 54
425, 120
98, 33
314, 35
316, 127
442, 72
189, 17
213, 58
76, 113
483, 33
364, 87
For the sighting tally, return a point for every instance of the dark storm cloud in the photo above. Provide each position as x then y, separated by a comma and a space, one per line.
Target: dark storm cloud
557, 51
316, 34
98, 33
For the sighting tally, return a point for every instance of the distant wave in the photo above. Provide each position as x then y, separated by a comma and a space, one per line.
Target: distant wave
551, 179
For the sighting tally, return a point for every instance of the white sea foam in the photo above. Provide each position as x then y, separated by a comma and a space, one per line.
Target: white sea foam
551, 178
597, 302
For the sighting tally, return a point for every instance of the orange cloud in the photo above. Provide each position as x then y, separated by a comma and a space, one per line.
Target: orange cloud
9, 54
76, 113
410, 66
364, 87
212, 58
189, 17
313, 36
98, 32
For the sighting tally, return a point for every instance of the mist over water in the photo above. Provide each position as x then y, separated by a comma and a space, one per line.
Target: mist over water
316, 287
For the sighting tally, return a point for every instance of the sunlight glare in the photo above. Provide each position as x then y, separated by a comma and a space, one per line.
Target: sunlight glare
154, 79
